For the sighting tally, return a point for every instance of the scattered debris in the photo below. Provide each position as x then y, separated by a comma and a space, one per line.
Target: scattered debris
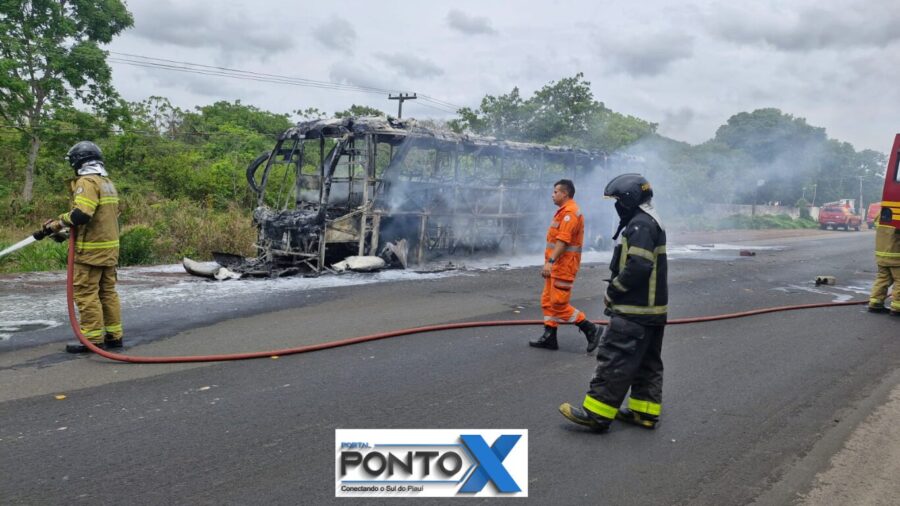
360, 264
210, 270
449, 267
825, 280
396, 253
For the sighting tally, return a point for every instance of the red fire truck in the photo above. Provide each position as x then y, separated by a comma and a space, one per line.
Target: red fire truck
890, 198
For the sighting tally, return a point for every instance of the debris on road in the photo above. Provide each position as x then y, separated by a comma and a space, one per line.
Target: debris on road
825, 280
360, 264
210, 270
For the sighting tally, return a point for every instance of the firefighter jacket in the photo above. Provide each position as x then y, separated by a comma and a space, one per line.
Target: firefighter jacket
97, 240
887, 246
638, 290
568, 227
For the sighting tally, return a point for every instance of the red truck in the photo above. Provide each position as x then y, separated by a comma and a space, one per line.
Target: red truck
839, 215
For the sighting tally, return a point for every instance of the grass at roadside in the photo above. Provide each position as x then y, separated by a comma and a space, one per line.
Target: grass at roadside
740, 222
154, 231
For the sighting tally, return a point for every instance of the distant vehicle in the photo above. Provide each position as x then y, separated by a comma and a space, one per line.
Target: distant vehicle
872, 213
838, 215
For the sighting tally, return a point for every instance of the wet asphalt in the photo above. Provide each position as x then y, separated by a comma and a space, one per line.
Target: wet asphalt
744, 399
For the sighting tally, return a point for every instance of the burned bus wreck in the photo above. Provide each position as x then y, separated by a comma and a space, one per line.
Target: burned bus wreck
334, 188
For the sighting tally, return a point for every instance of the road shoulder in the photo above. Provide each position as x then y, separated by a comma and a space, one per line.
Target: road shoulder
855, 462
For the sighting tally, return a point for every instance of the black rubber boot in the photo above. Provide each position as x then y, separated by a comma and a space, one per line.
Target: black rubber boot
547, 339
591, 333
110, 342
581, 417
107, 344
79, 348
640, 419
878, 309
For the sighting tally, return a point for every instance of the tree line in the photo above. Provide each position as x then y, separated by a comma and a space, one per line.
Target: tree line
56, 89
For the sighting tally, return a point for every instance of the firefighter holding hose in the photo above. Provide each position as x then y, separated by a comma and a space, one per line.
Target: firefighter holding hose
94, 215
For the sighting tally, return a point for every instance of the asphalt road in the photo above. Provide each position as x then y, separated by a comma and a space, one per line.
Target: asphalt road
753, 408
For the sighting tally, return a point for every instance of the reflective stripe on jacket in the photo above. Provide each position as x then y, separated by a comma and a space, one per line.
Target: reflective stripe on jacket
97, 242
638, 290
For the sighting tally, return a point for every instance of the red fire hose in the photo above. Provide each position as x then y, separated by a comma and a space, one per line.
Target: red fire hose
372, 337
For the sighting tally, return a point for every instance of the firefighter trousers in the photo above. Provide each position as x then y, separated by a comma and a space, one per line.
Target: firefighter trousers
555, 303
97, 301
629, 356
884, 278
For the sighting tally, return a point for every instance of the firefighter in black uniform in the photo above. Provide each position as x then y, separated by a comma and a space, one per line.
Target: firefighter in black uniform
630, 349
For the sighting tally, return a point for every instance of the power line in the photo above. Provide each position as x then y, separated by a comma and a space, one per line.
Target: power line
185, 64
218, 71
259, 78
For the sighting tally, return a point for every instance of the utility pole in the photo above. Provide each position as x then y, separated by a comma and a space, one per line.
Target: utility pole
860, 209
400, 98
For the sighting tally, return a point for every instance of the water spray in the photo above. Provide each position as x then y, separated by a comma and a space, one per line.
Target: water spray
60, 236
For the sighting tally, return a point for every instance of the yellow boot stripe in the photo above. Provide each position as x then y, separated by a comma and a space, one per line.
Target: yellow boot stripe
646, 407
599, 408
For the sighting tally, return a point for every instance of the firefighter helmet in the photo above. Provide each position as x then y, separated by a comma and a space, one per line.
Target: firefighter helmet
629, 190
82, 152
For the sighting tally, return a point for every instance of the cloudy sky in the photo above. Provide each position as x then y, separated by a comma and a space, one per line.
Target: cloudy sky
687, 66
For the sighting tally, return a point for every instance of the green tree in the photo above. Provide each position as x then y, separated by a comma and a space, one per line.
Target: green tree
504, 116
310, 113
359, 110
561, 112
49, 57
769, 134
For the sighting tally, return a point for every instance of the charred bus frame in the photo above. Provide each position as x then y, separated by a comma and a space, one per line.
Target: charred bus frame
337, 187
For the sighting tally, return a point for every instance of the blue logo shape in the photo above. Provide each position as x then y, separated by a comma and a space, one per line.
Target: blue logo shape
490, 465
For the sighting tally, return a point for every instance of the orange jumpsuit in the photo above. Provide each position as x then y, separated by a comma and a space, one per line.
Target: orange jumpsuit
567, 226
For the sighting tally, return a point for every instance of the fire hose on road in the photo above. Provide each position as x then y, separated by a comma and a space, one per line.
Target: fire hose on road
371, 337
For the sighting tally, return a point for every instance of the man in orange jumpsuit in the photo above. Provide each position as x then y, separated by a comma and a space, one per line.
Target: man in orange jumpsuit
562, 258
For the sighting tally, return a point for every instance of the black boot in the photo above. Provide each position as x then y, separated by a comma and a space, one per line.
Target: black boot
591, 333
547, 339
582, 417
110, 342
640, 419
79, 348
107, 344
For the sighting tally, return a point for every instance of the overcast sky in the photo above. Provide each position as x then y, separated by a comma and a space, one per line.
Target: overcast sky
687, 66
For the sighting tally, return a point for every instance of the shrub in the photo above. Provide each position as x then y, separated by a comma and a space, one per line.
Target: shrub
136, 246
46, 255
